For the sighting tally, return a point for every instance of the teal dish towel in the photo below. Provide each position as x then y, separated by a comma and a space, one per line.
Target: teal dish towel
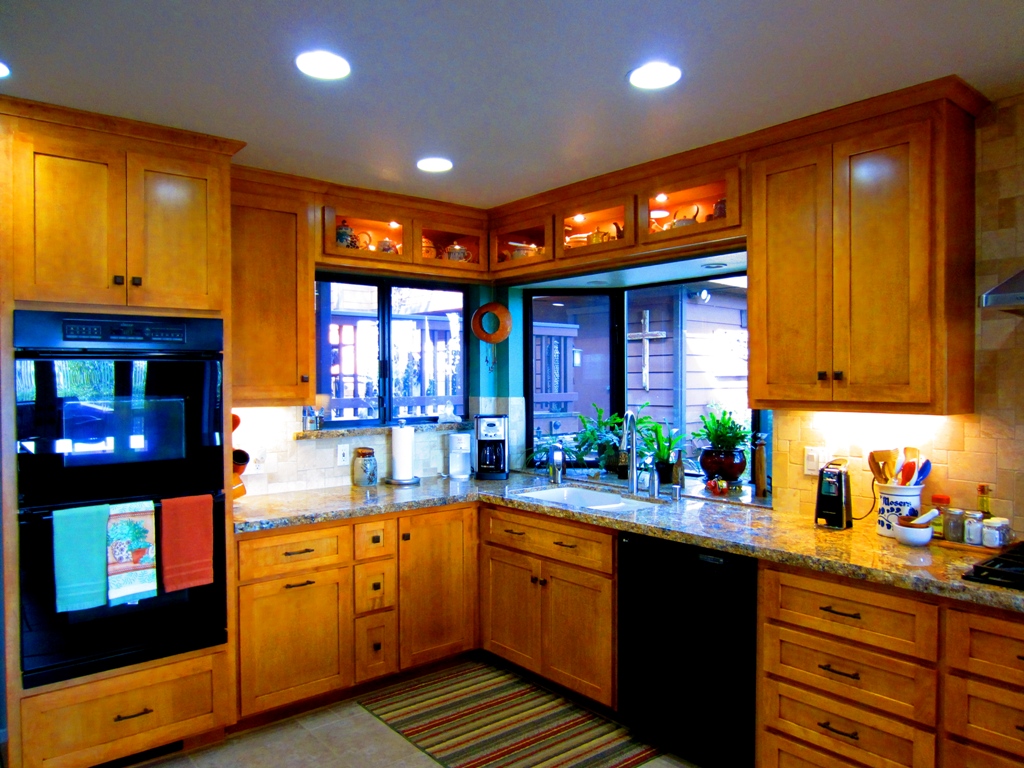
80, 557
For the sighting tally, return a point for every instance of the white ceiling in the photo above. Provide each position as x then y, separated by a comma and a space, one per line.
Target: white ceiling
523, 95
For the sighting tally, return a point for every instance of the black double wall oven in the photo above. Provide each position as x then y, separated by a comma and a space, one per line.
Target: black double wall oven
120, 413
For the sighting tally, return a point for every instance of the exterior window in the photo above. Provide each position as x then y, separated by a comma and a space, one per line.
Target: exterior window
387, 351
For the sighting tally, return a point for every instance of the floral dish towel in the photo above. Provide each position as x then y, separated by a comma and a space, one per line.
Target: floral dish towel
131, 552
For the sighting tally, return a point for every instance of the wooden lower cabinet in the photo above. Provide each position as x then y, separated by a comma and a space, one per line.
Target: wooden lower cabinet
376, 641
295, 638
984, 713
437, 584
958, 755
89, 724
510, 606
780, 752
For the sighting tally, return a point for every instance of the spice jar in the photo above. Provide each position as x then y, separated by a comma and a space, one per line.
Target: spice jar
364, 467
984, 500
973, 524
996, 532
940, 501
953, 525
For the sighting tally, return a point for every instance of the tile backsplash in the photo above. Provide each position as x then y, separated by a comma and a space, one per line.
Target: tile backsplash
986, 446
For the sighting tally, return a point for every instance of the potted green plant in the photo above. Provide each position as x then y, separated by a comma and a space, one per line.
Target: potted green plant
724, 456
661, 445
598, 436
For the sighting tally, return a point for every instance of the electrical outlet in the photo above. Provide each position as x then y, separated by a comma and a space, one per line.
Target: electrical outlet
811, 460
343, 456
257, 461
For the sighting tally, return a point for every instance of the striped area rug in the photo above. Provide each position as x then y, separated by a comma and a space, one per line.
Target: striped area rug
476, 716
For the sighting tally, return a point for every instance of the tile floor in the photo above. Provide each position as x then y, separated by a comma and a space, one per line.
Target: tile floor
340, 736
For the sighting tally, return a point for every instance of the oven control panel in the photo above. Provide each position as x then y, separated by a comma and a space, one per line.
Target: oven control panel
37, 331
126, 331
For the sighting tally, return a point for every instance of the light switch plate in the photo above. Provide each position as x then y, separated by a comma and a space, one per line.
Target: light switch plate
343, 455
811, 460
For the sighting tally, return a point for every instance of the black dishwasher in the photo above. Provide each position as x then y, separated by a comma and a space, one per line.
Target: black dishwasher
687, 649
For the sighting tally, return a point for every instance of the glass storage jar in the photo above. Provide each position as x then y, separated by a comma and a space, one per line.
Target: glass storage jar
953, 525
996, 532
940, 501
364, 467
973, 524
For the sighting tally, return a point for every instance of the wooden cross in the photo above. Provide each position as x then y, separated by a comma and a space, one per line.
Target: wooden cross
645, 336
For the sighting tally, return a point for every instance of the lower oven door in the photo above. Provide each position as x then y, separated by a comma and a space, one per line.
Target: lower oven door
59, 646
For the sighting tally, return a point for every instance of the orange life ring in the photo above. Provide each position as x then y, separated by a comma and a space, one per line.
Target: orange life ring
504, 323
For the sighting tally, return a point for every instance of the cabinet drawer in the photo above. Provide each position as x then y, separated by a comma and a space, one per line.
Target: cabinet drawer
276, 555
871, 739
985, 714
965, 756
985, 646
779, 752
886, 683
376, 640
895, 624
375, 586
93, 723
556, 540
376, 539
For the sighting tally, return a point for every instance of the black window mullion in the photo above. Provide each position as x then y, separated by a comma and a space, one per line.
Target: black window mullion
384, 325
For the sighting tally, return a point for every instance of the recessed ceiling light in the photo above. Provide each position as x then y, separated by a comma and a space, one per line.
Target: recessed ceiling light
579, 218
659, 214
4, 70
714, 265
434, 164
661, 198
322, 65
655, 74
557, 304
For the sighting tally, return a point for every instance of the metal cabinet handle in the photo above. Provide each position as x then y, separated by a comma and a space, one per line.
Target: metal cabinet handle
828, 727
118, 279
136, 281
563, 544
543, 582
851, 675
830, 609
406, 536
533, 579
145, 711
822, 375
304, 378
376, 586
375, 539
305, 551
515, 533
837, 375
376, 646
306, 583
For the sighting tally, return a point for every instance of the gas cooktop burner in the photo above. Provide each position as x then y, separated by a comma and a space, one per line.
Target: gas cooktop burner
1003, 570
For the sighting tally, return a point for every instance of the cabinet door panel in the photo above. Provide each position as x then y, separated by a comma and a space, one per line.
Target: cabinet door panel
578, 658
437, 578
375, 585
271, 300
985, 713
175, 234
295, 638
376, 639
69, 221
510, 598
882, 252
790, 267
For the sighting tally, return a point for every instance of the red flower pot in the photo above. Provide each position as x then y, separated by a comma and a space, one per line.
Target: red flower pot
728, 465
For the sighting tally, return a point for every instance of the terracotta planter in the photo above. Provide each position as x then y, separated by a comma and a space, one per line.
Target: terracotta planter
728, 465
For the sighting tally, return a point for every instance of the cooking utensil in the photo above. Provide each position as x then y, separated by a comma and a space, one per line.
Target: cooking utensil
918, 522
876, 468
923, 472
912, 453
907, 473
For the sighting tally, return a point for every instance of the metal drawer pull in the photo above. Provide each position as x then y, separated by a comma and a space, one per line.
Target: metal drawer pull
145, 711
136, 281
533, 579
515, 533
543, 582
376, 646
828, 727
830, 609
375, 539
305, 551
118, 279
376, 586
1020, 657
563, 544
828, 668
406, 536
303, 584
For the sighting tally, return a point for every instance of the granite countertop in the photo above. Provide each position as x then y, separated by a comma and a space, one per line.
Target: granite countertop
750, 529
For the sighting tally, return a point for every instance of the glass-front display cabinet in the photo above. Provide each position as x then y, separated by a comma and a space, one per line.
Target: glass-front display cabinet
521, 245
440, 245
689, 205
593, 227
360, 233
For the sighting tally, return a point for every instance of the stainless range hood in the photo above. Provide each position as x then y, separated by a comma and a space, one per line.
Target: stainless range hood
1007, 296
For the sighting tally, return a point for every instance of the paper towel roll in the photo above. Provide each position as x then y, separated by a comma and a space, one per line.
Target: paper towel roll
401, 453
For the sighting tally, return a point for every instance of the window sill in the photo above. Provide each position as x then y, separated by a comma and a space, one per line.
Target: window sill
328, 434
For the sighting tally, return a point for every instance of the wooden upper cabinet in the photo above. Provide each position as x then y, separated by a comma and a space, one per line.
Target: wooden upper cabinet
522, 245
688, 206
69, 221
97, 225
363, 234
272, 299
594, 226
439, 244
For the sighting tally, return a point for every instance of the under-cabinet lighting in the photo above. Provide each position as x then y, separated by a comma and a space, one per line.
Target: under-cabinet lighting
654, 74
579, 218
4, 70
394, 224
659, 214
661, 197
322, 65
434, 164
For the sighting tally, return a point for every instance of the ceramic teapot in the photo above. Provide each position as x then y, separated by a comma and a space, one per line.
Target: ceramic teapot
387, 245
598, 236
429, 251
456, 252
346, 236
685, 222
520, 251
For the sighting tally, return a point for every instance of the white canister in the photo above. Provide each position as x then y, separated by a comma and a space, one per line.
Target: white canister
458, 455
896, 501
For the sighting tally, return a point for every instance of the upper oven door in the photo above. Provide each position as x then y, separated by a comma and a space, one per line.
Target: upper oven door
106, 426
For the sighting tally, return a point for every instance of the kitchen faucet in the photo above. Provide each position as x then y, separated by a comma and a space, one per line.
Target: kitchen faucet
556, 462
629, 434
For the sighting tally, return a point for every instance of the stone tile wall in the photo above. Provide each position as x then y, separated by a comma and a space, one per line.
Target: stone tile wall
986, 446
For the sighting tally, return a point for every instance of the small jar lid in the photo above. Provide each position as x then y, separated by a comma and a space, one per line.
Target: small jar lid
940, 498
954, 512
997, 521
974, 514
364, 453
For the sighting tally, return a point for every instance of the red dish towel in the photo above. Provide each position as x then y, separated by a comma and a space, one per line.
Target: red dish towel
186, 546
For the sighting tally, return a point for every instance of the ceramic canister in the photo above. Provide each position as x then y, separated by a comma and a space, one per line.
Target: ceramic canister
364, 467
896, 501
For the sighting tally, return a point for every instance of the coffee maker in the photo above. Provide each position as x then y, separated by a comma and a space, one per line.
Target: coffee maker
492, 447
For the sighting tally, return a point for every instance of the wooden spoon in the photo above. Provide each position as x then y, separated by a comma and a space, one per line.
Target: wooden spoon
876, 468
911, 453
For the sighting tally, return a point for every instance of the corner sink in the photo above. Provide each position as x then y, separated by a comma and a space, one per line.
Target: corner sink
573, 496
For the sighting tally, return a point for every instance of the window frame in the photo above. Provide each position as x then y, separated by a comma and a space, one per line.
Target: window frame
385, 402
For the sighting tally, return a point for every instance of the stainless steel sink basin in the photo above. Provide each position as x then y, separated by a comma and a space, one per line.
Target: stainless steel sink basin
586, 498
